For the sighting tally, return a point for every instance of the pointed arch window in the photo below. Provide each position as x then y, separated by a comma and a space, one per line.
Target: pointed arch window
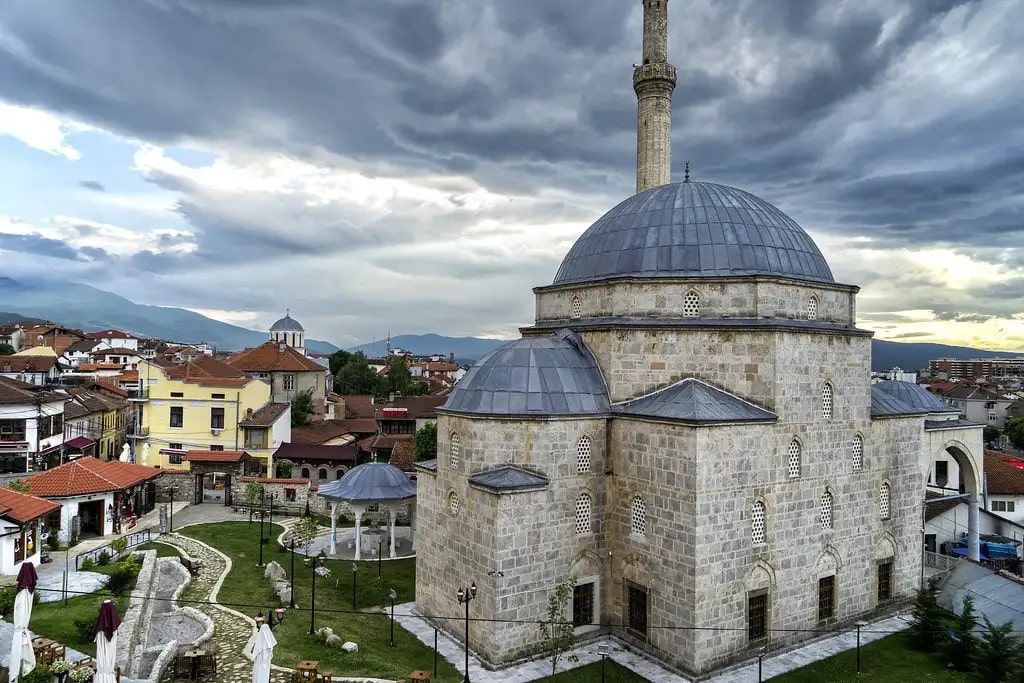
858, 453
812, 308
454, 504
691, 305
758, 524
826, 401
638, 516
575, 307
827, 504
584, 513
793, 459
583, 454
453, 451
885, 500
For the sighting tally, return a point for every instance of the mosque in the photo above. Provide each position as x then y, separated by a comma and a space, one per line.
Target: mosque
688, 432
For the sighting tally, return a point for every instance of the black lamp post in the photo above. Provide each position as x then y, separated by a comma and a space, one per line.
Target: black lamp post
380, 556
603, 649
860, 625
170, 524
274, 618
393, 595
291, 603
260, 563
314, 563
465, 595
270, 523
355, 570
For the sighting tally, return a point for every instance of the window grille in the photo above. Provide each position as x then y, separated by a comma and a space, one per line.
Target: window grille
575, 308
826, 401
583, 454
826, 597
812, 308
638, 516
885, 581
858, 453
584, 507
793, 462
757, 617
454, 504
757, 523
454, 450
691, 305
884, 500
826, 510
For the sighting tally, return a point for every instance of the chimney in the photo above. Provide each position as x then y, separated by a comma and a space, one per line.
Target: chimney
248, 413
281, 346
451, 358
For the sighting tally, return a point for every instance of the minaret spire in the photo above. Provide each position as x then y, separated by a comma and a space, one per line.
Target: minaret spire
654, 80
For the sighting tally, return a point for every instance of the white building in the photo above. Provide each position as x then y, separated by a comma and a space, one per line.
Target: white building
31, 425
22, 518
115, 339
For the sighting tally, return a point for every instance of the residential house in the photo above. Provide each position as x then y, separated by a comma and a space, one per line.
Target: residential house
287, 371
124, 357
264, 431
96, 498
1004, 480
316, 463
96, 421
13, 336
946, 522
979, 404
78, 353
33, 369
408, 414
22, 518
334, 432
115, 339
53, 336
195, 406
31, 425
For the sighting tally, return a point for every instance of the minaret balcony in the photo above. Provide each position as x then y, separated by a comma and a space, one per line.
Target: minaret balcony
662, 73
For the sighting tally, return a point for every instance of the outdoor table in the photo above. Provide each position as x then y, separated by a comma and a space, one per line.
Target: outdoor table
419, 676
307, 668
193, 655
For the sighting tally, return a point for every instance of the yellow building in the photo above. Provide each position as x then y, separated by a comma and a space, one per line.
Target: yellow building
205, 405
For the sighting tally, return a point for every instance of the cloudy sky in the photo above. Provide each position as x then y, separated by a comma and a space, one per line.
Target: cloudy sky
418, 166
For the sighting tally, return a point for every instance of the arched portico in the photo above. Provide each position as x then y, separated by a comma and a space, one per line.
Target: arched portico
964, 445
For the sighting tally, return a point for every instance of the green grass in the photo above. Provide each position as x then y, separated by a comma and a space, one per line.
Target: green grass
613, 672
162, 549
888, 659
248, 591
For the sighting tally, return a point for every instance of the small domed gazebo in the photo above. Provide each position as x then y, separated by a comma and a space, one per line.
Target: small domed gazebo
372, 483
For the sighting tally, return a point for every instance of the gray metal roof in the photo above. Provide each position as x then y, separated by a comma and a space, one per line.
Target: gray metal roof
371, 481
692, 229
915, 396
695, 402
509, 479
287, 324
884, 404
547, 375
429, 465
936, 425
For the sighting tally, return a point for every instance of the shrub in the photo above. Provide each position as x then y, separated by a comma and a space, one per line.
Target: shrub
123, 577
119, 546
998, 652
86, 627
104, 559
52, 541
40, 674
7, 596
87, 564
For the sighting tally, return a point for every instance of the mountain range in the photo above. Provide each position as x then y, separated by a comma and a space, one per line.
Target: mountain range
89, 308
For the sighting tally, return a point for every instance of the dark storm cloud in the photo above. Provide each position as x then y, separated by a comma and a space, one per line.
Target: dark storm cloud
34, 244
962, 317
92, 185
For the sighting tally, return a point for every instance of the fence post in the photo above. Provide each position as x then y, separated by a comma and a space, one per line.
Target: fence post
435, 652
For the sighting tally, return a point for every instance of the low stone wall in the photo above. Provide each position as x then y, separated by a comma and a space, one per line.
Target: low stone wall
183, 482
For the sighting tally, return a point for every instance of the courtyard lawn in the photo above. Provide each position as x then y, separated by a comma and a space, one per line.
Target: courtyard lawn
57, 622
162, 549
247, 591
888, 659
613, 673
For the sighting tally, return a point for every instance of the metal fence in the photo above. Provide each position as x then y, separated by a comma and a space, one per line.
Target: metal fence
940, 562
134, 539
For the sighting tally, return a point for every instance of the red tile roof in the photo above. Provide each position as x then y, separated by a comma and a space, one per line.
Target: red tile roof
93, 367
325, 430
274, 480
27, 363
1004, 473
215, 456
110, 334
88, 475
402, 455
202, 367
273, 357
358, 406
23, 507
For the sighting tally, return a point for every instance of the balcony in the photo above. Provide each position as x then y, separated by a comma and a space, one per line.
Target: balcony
140, 395
138, 433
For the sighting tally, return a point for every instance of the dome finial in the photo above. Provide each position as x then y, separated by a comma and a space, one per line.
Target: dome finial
686, 173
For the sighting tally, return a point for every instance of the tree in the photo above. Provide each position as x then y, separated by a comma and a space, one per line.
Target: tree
305, 531
991, 434
1015, 431
399, 377
254, 493
284, 467
356, 377
337, 361
418, 388
998, 653
6, 350
929, 618
556, 630
425, 444
302, 408
962, 648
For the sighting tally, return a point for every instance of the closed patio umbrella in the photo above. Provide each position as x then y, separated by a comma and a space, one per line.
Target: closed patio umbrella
145, 454
126, 453
106, 643
22, 659
262, 653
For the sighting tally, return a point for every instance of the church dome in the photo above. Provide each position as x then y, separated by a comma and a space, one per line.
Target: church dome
287, 324
692, 229
549, 375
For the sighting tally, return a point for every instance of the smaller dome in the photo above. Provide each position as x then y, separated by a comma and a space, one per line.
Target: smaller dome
370, 482
913, 396
542, 376
287, 324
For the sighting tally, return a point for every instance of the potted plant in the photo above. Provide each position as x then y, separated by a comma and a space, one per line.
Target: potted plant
81, 674
60, 669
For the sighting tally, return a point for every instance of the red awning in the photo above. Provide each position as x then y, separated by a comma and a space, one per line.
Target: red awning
79, 442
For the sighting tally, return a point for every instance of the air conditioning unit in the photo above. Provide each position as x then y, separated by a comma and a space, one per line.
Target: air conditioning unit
215, 431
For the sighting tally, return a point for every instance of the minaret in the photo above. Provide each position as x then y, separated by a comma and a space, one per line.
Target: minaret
654, 80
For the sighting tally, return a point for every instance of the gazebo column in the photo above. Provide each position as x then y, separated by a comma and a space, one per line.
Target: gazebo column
359, 518
391, 524
334, 528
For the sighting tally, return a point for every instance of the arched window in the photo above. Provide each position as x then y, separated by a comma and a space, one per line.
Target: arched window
793, 460
454, 450
584, 508
454, 504
757, 524
858, 453
812, 308
322, 474
575, 307
826, 401
884, 500
827, 503
583, 459
339, 474
305, 473
638, 516
691, 305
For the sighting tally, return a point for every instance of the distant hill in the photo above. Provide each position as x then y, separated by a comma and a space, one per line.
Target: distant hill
884, 354
89, 308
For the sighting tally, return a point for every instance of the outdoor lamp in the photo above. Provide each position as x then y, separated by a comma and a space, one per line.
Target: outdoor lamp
259, 619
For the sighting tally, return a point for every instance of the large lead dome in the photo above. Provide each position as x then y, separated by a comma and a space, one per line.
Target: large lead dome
692, 229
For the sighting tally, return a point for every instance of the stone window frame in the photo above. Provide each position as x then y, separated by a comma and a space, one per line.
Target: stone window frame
454, 446
828, 400
812, 308
767, 593
588, 524
799, 459
596, 624
758, 537
691, 304
584, 455
638, 517
830, 618
885, 500
891, 561
857, 454
452, 503
575, 307
827, 510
